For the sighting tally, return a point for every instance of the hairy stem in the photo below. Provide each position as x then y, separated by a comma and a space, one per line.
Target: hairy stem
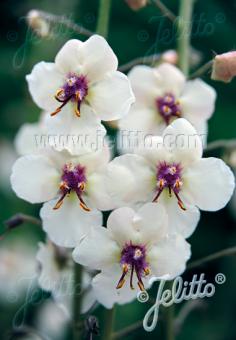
109, 323
202, 70
165, 10
222, 143
103, 17
212, 257
184, 24
77, 301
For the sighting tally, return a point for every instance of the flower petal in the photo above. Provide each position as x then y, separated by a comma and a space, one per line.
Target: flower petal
35, 179
147, 225
98, 58
78, 136
129, 179
104, 286
70, 56
152, 222
172, 79
97, 192
43, 82
197, 101
179, 221
112, 97
182, 140
144, 81
67, 225
210, 184
25, 141
169, 256
121, 225
97, 249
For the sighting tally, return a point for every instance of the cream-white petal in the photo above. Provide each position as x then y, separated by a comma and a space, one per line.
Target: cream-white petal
97, 250
43, 82
111, 98
104, 286
182, 140
172, 80
130, 179
70, 57
67, 225
210, 184
169, 257
98, 58
35, 179
197, 100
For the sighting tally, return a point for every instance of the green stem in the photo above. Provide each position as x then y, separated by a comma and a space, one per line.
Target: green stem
103, 17
169, 318
225, 252
109, 323
77, 301
184, 34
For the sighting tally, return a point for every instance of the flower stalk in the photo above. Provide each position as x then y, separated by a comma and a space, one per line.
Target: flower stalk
103, 17
109, 318
184, 25
77, 301
169, 325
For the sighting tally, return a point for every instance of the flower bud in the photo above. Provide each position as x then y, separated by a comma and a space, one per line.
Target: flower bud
136, 4
224, 67
38, 24
170, 56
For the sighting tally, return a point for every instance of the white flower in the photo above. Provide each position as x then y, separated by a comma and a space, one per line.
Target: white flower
162, 95
51, 321
83, 74
17, 270
35, 137
133, 248
170, 170
56, 276
75, 184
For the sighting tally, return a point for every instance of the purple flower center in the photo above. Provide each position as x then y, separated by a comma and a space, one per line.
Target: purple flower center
169, 176
73, 179
133, 259
168, 107
74, 89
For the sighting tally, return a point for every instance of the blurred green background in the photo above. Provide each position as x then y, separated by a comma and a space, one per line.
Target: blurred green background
132, 34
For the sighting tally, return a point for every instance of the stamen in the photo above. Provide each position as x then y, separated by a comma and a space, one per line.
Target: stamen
131, 278
180, 202
122, 279
73, 179
74, 89
60, 201
169, 177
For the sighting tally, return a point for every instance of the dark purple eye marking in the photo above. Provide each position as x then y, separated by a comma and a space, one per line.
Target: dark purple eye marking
74, 89
73, 179
133, 259
168, 107
169, 176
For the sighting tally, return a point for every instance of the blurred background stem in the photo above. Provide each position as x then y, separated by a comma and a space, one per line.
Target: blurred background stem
109, 319
184, 25
77, 301
103, 17
169, 326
